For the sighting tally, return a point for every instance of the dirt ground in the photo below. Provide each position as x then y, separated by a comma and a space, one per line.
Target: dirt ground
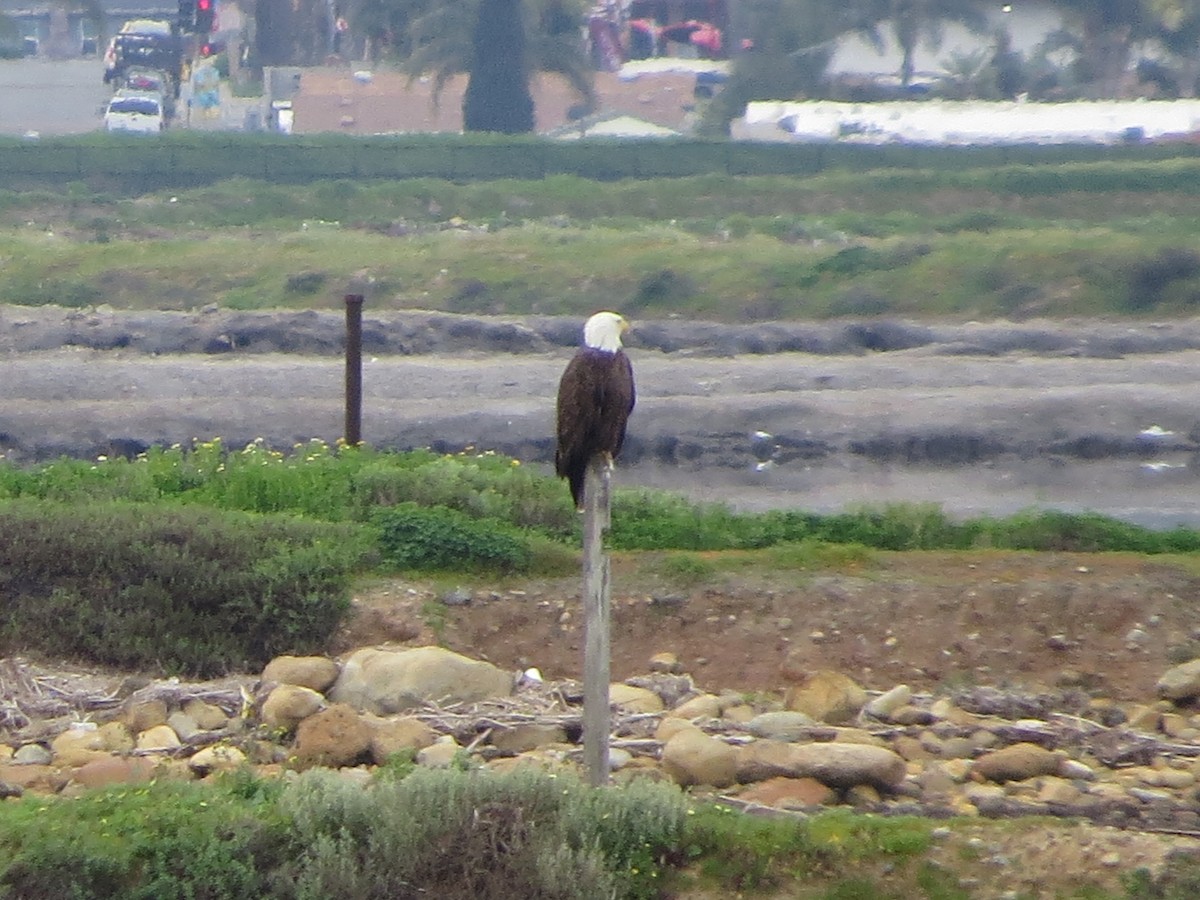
1098, 626
1106, 624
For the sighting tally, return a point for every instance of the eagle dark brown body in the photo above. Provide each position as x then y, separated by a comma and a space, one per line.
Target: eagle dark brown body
595, 397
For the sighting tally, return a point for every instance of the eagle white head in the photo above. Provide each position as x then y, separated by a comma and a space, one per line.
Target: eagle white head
603, 331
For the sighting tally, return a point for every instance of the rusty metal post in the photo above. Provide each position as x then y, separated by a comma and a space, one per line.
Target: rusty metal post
353, 431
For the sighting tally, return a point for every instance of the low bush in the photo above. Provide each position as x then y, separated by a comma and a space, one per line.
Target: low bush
468, 835
167, 839
180, 589
435, 537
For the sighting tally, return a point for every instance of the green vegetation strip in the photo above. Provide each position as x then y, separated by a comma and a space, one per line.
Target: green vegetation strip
1076, 238
462, 834
205, 561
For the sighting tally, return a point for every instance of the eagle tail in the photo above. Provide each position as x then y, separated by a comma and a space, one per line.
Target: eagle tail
575, 479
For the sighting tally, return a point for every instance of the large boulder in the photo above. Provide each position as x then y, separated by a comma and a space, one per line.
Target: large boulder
848, 765
315, 672
827, 696
1017, 762
335, 737
1181, 682
692, 757
384, 682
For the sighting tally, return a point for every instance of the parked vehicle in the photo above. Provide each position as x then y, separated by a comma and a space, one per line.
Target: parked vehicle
140, 113
151, 81
147, 44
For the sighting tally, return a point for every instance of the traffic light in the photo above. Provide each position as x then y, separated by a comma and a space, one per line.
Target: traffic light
206, 49
206, 16
187, 15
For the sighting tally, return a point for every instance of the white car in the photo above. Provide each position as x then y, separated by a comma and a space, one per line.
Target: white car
135, 112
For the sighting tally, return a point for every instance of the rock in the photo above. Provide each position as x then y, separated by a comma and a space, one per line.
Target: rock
290, 704
862, 796
33, 776
384, 681
763, 760
1075, 770
691, 757
333, 737
207, 716
827, 696
114, 770
702, 706
634, 699
526, 737
665, 662
77, 745
183, 725
315, 672
145, 714
117, 738
439, 755
158, 737
780, 725
671, 726
32, 755
789, 793
846, 765
1017, 762
1058, 790
1180, 682
887, 703
391, 736
216, 758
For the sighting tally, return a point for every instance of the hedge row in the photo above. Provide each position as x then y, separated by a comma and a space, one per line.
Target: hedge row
192, 159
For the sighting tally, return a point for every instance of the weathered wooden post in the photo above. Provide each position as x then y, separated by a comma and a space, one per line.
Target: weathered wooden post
597, 593
353, 429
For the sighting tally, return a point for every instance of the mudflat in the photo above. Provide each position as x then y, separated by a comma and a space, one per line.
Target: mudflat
980, 418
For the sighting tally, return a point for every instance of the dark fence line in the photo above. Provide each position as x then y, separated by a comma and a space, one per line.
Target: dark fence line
192, 160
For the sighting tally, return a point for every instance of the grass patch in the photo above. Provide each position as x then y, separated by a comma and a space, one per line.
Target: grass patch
1099, 238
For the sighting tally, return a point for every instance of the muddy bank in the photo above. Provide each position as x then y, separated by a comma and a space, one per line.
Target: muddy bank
978, 417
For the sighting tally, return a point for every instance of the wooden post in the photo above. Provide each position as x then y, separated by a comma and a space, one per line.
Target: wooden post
353, 430
596, 601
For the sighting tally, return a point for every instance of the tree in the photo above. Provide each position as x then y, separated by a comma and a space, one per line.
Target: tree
1178, 30
1102, 33
465, 37
916, 23
497, 97
786, 47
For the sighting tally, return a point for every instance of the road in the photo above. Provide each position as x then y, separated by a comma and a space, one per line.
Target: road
56, 97
48, 97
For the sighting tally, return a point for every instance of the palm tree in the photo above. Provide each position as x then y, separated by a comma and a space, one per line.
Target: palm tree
916, 23
1178, 29
784, 48
1102, 35
497, 97
442, 47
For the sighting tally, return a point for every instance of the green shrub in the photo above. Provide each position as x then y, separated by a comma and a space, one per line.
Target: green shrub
168, 839
1086, 532
182, 589
438, 538
464, 835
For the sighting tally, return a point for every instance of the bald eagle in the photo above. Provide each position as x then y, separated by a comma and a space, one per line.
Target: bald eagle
595, 397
